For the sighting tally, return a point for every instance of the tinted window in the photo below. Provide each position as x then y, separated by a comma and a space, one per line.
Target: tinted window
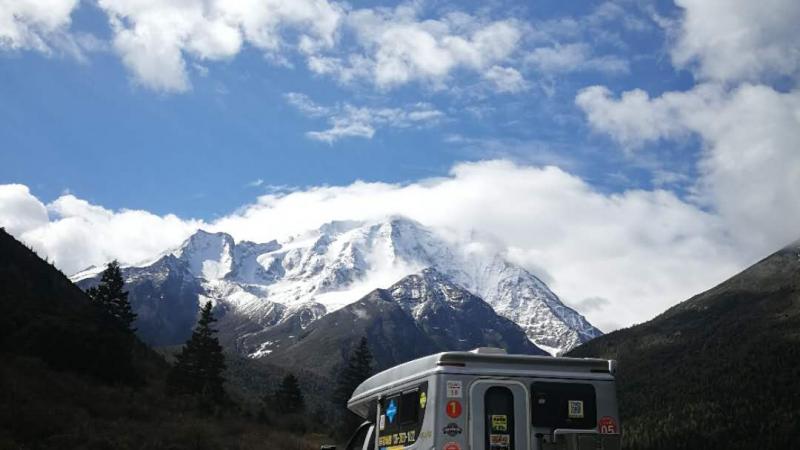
498, 405
409, 408
564, 405
400, 417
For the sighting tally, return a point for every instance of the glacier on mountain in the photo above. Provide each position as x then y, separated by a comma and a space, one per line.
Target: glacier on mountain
320, 271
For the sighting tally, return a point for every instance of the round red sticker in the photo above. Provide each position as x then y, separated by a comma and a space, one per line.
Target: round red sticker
453, 408
607, 425
452, 446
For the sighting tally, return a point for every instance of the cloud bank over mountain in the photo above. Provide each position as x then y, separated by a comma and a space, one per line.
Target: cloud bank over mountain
640, 250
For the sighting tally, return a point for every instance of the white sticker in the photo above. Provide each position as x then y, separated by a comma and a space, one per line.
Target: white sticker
453, 389
382, 422
500, 440
575, 409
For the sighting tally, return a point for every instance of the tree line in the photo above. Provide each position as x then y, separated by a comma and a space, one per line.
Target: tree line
199, 368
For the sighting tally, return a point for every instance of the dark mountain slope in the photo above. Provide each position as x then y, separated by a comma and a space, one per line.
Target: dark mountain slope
164, 297
720, 370
44, 315
64, 380
326, 343
419, 315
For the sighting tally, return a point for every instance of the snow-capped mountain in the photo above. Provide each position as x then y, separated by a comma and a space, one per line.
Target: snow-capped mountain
298, 280
454, 318
421, 314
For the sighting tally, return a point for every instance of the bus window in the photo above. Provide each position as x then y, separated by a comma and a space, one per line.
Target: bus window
563, 405
408, 413
498, 405
401, 415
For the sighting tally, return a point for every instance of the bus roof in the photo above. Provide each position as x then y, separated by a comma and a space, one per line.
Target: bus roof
482, 361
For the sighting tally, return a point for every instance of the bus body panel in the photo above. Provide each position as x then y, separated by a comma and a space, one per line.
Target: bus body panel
492, 404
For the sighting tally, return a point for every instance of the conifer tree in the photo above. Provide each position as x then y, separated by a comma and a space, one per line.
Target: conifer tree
200, 364
111, 296
288, 397
358, 369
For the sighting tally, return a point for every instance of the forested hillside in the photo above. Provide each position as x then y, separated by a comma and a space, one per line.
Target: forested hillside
718, 371
72, 378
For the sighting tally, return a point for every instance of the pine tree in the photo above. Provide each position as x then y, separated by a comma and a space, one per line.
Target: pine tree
288, 397
109, 294
199, 367
358, 369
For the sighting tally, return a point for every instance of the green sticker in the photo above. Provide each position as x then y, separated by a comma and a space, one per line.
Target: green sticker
500, 422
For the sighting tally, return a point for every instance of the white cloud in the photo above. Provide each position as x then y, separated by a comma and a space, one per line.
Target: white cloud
354, 123
396, 46
641, 250
739, 40
636, 118
31, 24
574, 57
392, 46
158, 41
20, 210
750, 167
506, 79
154, 38
305, 105
347, 120
76, 234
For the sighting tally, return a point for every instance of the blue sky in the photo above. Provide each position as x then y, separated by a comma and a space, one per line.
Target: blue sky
87, 125
630, 153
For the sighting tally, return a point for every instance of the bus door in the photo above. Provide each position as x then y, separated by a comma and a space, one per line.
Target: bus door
498, 415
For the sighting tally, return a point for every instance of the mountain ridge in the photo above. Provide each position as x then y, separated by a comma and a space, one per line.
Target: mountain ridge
316, 272
720, 368
419, 315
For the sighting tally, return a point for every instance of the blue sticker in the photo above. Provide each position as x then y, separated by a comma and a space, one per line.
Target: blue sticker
391, 410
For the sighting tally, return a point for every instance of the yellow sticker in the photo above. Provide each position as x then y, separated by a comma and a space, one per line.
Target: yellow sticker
402, 438
500, 422
423, 400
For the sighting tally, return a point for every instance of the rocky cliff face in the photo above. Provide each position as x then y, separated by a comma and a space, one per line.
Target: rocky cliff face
421, 314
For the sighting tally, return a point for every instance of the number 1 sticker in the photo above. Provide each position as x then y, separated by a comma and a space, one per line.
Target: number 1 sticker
453, 408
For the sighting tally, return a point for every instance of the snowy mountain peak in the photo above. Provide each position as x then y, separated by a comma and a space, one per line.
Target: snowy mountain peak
337, 227
208, 255
429, 287
320, 271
